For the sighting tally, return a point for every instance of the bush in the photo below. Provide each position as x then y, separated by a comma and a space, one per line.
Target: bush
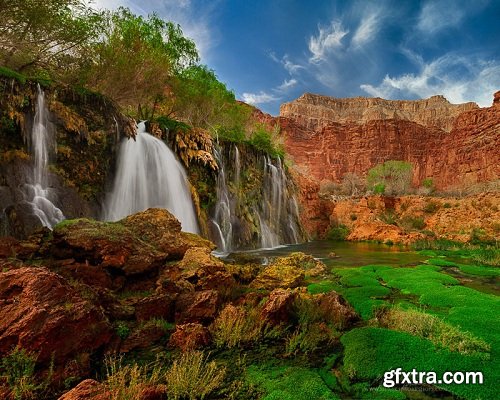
431, 207
388, 218
412, 223
391, 177
128, 382
339, 233
193, 377
235, 326
265, 141
18, 368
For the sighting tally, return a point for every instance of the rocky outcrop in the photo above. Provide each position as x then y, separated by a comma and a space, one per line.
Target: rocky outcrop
455, 145
44, 314
315, 112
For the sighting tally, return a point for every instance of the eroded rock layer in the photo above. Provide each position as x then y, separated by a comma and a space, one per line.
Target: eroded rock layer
455, 145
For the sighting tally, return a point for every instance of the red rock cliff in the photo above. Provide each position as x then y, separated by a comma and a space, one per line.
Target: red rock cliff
456, 145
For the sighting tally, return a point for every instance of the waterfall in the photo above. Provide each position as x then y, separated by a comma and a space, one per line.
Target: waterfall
149, 175
224, 210
41, 144
276, 214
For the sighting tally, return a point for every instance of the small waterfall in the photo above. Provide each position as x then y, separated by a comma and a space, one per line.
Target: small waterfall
278, 214
224, 211
149, 175
276, 211
41, 144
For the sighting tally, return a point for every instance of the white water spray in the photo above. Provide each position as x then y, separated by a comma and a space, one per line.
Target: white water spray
41, 144
148, 175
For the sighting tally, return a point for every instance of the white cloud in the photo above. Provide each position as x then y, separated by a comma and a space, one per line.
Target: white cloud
287, 84
258, 98
437, 15
328, 39
367, 29
457, 78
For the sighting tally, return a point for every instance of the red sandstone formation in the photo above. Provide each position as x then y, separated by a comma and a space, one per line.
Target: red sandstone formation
455, 145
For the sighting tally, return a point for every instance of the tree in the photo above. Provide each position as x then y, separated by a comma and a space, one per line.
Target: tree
137, 60
394, 177
46, 35
352, 184
201, 99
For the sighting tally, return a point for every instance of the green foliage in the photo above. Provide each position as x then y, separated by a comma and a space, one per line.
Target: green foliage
122, 330
339, 232
289, 383
136, 59
264, 140
428, 183
8, 73
388, 217
18, 368
172, 125
410, 222
391, 177
369, 352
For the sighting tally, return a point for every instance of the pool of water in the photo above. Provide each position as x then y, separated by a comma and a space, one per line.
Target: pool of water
347, 254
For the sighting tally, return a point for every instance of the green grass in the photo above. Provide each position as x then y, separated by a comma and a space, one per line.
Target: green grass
8, 73
369, 352
289, 383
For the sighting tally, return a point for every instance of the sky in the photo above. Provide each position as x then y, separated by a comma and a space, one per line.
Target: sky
271, 52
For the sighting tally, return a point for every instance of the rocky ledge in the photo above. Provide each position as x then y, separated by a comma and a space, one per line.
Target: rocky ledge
87, 290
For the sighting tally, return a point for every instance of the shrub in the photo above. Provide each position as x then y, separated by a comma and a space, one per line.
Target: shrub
122, 330
388, 218
412, 223
18, 368
266, 141
431, 207
339, 232
192, 376
235, 326
127, 382
394, 177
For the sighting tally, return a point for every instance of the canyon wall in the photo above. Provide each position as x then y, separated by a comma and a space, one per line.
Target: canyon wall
455, 145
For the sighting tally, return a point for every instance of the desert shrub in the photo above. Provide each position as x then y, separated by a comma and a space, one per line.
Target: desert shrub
388, 217
235, 326
18, 369
309, 338
192, 376
394, 177
339, 232
327, 188
352, 184
122, 330
409, 223
127, 382
431, 207
353, 217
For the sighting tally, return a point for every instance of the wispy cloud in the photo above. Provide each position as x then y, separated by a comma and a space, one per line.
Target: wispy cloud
258, 98
458, 78
436, 15
367, 29
287, 84
327, 40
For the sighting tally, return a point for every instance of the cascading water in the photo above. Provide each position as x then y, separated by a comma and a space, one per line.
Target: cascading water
224, 209
276, 214
41, 144
149, 175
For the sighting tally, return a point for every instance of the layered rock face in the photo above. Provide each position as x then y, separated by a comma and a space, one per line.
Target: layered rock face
456, 145
316, 112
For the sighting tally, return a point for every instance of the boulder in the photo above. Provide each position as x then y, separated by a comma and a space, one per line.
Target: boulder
89, 389
43, 313
142, 338
335, 309
277, 308
156, 306
197, 306
190, 336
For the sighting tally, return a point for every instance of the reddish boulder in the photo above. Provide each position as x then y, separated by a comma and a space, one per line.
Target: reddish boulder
156, 306
190, 336
88, 389
277, 308
142, 338
197, 306
42, 313
335, 309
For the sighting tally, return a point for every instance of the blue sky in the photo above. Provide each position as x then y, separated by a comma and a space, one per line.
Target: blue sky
270, 52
